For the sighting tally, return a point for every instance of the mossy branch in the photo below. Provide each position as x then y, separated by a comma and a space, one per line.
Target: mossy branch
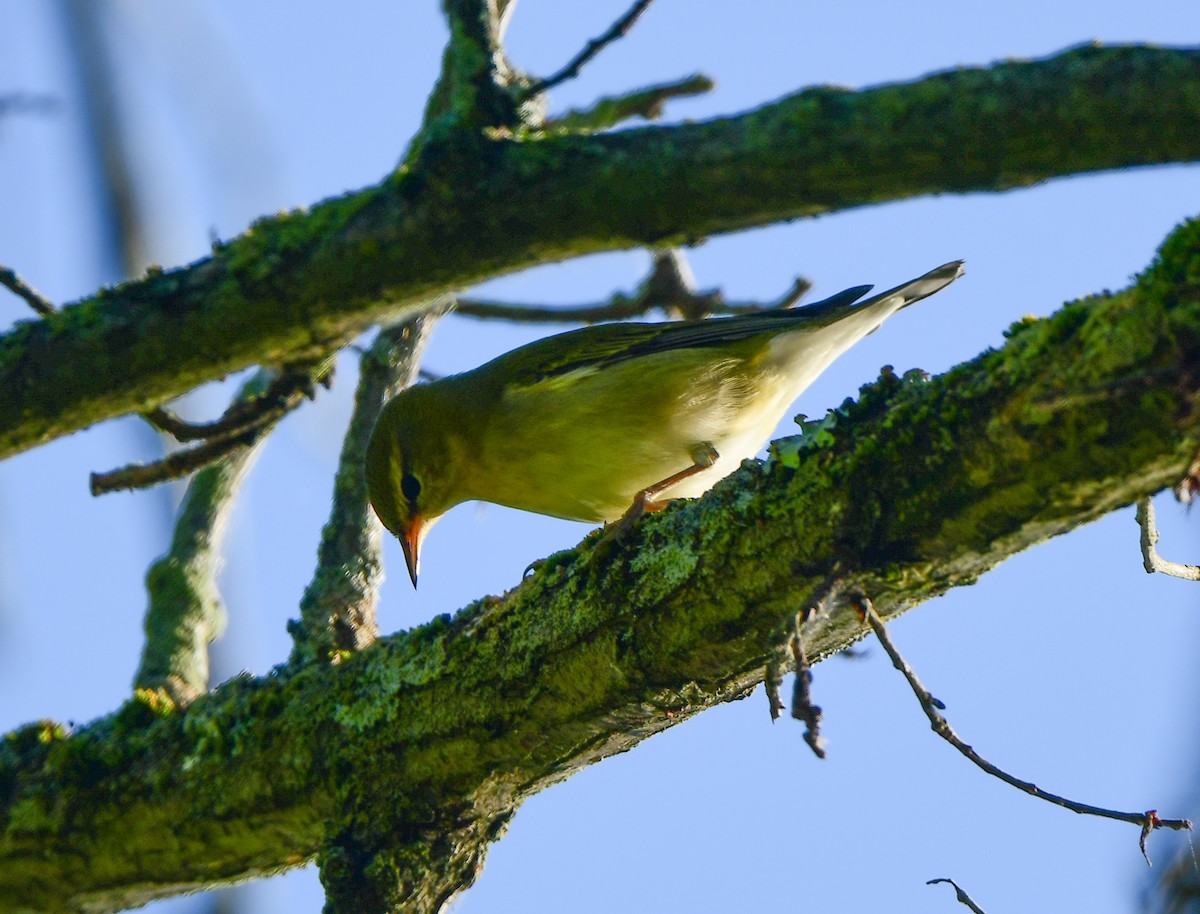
645, 103
185, 612
300, 283
430, 738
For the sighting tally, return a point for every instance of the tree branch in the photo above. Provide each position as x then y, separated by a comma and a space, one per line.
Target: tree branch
1148, 820
246, 422
570, 70
1151, 560
962, 896
475, 73
432, 737
645, 103
185, 612
669, 288
16, 284
296, 285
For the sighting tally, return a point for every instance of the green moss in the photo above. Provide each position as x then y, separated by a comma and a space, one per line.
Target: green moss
661, 571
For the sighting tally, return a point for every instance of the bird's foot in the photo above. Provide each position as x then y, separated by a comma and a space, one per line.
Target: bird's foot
550, 562
623, 525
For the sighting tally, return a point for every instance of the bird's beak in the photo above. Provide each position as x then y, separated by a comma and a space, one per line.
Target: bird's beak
410, 540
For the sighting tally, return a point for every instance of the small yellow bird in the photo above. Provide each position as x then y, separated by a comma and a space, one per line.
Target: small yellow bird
611, 420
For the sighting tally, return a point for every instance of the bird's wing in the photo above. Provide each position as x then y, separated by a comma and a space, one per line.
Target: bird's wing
606, 344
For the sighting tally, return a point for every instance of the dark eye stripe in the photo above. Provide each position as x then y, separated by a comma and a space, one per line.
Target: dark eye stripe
410, 487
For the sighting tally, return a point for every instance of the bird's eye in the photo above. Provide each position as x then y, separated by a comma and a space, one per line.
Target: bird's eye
410, 486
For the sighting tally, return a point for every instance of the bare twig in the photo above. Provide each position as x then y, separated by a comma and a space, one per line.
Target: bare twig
289, 389
773, 683
619, 307
1147, 821
803, 708
244, 422
174, 466
962, 896
1150, 558
668, 288
12, 281
618, 29
645, 103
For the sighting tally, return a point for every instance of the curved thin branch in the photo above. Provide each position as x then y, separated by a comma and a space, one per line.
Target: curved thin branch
296, 284
287, 390
1148, 821
244, 424
570, 70
1151, 560
962, 896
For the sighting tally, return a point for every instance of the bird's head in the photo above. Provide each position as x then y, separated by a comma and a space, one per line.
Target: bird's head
412, 468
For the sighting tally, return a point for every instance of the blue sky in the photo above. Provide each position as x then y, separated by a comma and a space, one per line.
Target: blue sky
1067, 665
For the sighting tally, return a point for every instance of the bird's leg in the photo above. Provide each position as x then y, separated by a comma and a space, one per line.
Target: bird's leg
704, 455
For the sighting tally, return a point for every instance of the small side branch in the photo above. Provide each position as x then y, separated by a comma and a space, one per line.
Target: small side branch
645, 103
803, 708
289, 389
174, 466
618, 30
242, 425
669, 288
1151, 560
12, 281
962, 896
1148, 821
475, 72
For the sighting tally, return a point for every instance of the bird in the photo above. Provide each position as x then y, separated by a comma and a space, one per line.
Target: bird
611, 421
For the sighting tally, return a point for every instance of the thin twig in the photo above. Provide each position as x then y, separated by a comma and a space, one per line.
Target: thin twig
645, 103
653, 294
243, 423
962, 896
285, 393
1148, 821
175, 465
590, 50
618, 308
773, 682
1151, 560
12, 281
803, 708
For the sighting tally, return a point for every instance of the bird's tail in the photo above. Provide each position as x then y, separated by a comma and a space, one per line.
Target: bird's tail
831, 310
924, 286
